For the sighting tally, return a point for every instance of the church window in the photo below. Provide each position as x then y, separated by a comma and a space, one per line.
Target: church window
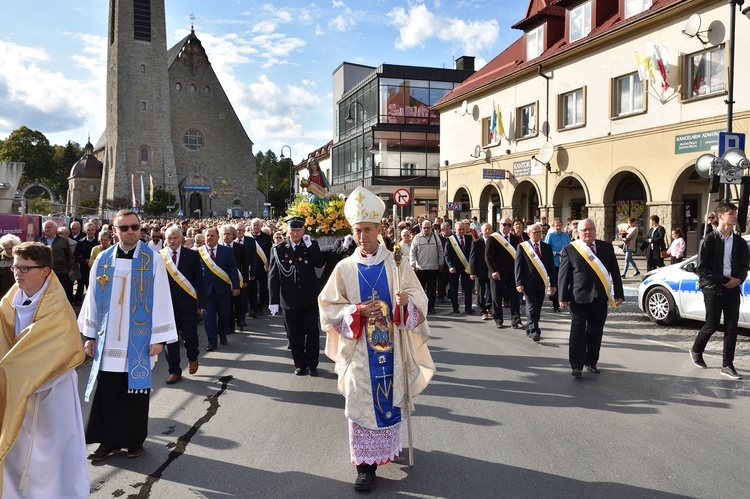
193, 88
193, 139
143, 68
206, 90
142, 20
143, 105
144, 156
178, 86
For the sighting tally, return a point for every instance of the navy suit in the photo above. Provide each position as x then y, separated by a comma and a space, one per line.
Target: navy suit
504, 288
453, 261
251, 258
259, 286
219, 294
186, 307
478, 266
237, 314
588, 300
533, 284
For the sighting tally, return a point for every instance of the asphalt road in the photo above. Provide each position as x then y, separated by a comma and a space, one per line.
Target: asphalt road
502, 418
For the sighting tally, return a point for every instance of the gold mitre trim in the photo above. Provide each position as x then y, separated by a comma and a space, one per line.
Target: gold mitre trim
363, 206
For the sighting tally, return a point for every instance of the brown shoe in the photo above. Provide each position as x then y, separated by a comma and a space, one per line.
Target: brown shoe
173, 378
193, 366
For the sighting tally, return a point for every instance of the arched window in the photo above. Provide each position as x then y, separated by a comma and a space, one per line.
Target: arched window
144, 156
193, 139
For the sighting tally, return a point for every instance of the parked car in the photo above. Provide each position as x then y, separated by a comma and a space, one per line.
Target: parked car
670, 293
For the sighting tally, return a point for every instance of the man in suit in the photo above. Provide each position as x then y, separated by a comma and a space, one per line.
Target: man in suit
75, 231
654, 244
81, 253
236, 316
500, 255
535, 270
251, 258
443, 275
457, 251
188, 292
293, 285
481, 273
721, 281
588, 271
222, 283
63, 260
259, 286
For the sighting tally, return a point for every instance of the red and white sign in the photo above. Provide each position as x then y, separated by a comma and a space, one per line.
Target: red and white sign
402, 197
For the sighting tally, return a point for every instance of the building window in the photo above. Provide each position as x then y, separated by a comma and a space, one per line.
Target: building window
572, 108
142, 20
629, 97
143, 68
535, 42
143, 105
193, 139
704, 73
206, 90
144, 156
193, 88
633, 7
526, 119
579, 24
178, 86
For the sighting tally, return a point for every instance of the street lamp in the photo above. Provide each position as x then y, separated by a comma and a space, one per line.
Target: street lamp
291, 172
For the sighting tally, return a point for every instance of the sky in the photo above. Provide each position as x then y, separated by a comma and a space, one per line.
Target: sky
274, 60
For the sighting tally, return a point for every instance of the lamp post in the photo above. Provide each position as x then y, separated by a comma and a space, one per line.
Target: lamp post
291, 172
351, 119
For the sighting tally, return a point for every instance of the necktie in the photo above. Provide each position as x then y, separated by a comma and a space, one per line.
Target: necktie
536, 249
593, 248
213, 257
462, 242
174, 256
27, 302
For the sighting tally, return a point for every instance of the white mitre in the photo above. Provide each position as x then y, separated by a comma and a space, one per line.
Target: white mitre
363, 206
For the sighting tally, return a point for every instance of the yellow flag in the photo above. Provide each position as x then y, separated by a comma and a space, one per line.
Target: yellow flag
500, 127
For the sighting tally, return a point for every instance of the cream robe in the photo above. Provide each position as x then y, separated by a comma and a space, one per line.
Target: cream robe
52, 444
350, 355
163, 329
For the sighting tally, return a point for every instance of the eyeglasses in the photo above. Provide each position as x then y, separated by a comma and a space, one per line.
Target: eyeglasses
24, 269
507, 225
586, 230
125, 228
535, 232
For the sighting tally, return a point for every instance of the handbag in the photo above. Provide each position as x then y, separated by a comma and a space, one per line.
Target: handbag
664, 254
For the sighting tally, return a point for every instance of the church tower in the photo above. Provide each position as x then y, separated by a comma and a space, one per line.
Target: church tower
138, 136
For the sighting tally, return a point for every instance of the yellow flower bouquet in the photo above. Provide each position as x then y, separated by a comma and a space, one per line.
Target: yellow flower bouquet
322, 218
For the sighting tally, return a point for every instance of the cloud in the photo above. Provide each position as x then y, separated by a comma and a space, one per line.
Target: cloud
418, 24
341, 23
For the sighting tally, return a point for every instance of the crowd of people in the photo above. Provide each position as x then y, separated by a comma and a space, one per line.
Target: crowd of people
144, 286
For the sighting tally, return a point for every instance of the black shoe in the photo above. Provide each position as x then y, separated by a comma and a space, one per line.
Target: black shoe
135, 452
313, 371
518, 326
636, 273
577, 373
101, 453
242, 323
499, 325
537, 337
300, 372
223, 339
557, 309
730, 372
470, 311
456, 311
365, 478
592, 369
441, 299
622, 275
259, 312
432, 311
697, 359
211, 347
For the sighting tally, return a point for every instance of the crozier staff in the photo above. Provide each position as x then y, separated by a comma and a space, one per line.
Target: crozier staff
358, 309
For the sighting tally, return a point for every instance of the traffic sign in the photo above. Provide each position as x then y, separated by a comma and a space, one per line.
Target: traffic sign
265, 212
402, 197
729, 140
180, 213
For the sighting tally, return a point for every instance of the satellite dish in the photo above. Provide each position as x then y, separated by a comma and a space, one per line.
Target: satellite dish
546, 152
703, 165
716, 32
692, 26
464, 108
477, 151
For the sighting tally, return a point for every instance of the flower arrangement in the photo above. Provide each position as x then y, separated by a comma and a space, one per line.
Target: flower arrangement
322, 218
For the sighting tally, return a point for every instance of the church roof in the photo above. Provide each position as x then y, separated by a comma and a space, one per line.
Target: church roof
87, 167
190, 44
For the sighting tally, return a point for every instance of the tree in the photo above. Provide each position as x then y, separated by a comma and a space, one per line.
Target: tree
65, 157
273, 177
33, 148
161, 202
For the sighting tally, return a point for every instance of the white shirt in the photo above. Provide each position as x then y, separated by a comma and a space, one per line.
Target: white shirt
728, 241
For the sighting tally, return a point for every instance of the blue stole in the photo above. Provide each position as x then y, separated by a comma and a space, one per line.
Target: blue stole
380, 346
141, 305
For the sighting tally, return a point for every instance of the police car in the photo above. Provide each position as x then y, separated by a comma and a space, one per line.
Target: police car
671, 293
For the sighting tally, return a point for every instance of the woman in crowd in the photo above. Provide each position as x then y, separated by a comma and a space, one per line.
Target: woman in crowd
278, 237
630, 240
676, 250
6, 260
105, 240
